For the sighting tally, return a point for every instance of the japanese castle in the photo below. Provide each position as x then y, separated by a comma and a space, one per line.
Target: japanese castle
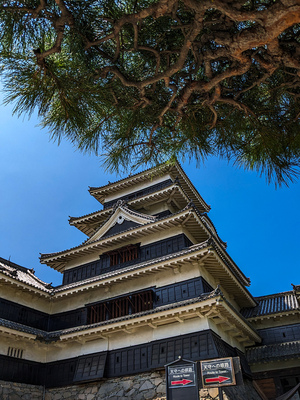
152, 282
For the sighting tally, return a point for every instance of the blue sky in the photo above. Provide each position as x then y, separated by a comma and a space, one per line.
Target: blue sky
42, 184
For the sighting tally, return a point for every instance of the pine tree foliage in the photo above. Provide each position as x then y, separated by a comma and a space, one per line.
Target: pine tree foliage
146, 81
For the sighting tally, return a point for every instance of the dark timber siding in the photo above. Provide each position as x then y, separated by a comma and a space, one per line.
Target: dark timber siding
68, 319
126, 361
24, 371
181, 291
146, 300
156, 354
128, 304
60, 373
23, 315
90, 367
287, 333
147, 252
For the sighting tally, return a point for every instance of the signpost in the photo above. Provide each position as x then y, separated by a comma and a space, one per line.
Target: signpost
218, 372
182, 380
182, 377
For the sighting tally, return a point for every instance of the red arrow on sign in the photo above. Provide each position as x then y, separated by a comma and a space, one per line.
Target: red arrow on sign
182, 382
219, 379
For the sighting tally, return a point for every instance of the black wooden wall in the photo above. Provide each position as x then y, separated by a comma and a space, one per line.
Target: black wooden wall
125, 361
279, 334
23, 315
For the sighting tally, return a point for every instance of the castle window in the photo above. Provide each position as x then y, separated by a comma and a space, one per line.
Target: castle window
114, 258
14, 352
120, 307
129, 253
123, 254
97, 313
141, 301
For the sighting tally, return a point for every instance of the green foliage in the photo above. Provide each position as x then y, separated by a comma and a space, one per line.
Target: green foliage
122, 91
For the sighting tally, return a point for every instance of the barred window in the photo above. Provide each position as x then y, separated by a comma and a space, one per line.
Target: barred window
123, 254
14, 352
120, 307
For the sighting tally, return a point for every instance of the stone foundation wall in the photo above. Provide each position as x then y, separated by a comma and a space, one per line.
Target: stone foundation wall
20, 391
150, 386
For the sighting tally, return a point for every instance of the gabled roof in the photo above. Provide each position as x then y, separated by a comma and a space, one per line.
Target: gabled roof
189, 217
120, 214
15, 274
174, 169
89, 223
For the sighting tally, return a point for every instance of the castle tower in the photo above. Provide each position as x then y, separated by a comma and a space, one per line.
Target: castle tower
153, 281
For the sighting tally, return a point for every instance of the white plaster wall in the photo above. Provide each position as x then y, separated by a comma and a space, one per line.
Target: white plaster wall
29, 299
36, 351
154, 208
177, 328
32, 350
122, 339
225, 336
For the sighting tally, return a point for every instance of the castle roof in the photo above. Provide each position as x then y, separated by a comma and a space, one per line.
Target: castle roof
198, 224
89, 223
278, 303
13, 273
273, 352
174, 169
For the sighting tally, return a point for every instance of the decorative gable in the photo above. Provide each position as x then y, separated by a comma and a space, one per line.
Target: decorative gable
121, 219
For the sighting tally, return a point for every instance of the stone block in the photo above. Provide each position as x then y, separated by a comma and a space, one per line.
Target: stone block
147, 385
150, 394
157, 381
161, 388
126, 385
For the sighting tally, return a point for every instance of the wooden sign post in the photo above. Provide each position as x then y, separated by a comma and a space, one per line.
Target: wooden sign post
217, 373
182, 380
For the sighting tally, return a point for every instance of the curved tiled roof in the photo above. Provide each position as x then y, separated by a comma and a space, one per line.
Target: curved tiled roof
207, 224
9, 269
63, 252
85, 222
99, 192
273, 304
